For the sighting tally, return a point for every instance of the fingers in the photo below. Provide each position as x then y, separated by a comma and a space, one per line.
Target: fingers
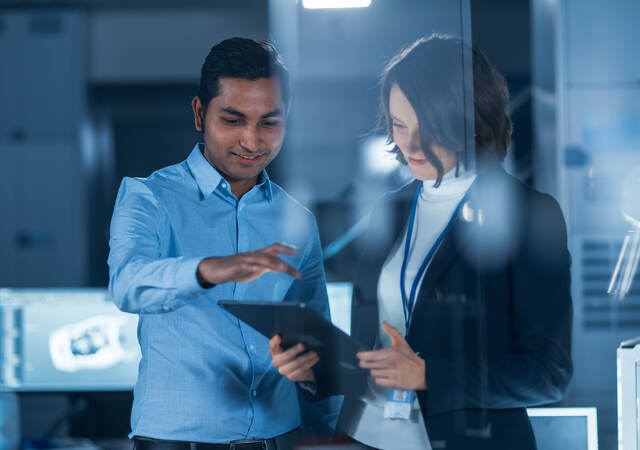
394, 334
280, 248
299, 365
302, 375
275, 347
375, 355
387, 357
261, 260
375, 364
383, 373
286, 356
377, 359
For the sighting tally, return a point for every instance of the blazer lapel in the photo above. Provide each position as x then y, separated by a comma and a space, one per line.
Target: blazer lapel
460, 237
445, 255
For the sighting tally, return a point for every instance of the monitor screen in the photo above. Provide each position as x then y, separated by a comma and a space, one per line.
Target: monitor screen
564, 428
66, 340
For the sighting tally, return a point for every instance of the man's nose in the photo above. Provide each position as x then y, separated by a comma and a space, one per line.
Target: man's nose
250, 139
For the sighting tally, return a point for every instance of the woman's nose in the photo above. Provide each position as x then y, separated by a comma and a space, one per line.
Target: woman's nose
415, 142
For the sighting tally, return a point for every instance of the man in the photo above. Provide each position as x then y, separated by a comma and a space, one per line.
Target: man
212, 228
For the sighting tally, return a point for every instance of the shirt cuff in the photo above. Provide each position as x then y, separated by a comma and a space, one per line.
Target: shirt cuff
309, 388
187, 279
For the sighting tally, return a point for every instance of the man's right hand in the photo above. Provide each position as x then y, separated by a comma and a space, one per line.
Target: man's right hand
246, 266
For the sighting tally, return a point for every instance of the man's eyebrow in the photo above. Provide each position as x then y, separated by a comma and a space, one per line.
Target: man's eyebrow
275, 113
233, 111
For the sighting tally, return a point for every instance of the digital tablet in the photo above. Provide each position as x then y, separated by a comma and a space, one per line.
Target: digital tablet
294, 322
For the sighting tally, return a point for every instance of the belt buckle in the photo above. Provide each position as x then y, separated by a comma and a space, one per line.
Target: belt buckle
248, 443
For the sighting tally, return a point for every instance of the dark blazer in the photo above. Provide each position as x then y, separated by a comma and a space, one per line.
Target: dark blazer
492, 318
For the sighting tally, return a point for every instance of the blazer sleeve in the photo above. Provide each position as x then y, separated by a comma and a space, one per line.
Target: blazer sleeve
537, 366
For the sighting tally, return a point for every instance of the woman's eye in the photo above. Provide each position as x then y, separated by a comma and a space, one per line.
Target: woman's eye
397, 125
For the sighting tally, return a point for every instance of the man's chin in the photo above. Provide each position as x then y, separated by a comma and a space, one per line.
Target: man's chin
245, 174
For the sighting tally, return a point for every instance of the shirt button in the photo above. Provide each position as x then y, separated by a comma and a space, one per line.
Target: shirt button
252, 348
223, 185
165, 308
254, 393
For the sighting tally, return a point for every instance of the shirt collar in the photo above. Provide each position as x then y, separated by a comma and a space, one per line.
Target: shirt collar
208, 178
264, 183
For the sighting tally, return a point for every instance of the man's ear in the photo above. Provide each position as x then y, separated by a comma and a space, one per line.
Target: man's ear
196, 105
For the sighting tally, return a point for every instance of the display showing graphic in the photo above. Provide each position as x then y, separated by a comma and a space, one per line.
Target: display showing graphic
71, 339
94, 343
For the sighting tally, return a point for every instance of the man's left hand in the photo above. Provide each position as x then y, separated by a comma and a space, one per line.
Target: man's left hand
396, 367
292, 363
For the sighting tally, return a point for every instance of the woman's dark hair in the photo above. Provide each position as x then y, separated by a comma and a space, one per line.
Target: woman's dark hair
241, 58
429, 73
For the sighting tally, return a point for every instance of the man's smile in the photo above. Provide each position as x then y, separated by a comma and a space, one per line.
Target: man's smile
248, 159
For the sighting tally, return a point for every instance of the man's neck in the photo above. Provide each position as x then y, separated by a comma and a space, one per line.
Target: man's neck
241, 187
238, 187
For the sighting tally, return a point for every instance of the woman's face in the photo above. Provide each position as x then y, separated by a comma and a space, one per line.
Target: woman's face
406, 135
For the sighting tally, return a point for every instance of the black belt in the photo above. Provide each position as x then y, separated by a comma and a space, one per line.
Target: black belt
144, 443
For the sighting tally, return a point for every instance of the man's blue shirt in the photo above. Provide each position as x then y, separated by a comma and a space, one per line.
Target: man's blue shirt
204, 375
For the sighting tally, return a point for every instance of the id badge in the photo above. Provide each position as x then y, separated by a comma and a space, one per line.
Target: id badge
398, 404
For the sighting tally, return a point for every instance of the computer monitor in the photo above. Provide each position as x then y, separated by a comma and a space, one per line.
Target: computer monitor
565, 428
66, 340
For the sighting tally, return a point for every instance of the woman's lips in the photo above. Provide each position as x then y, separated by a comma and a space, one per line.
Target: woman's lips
417, 162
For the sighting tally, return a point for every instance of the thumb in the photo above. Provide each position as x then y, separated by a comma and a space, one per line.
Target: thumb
394, 334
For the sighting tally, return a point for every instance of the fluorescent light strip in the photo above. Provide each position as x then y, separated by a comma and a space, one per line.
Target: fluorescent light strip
325, 4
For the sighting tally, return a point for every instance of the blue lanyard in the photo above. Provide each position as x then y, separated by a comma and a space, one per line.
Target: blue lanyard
407, 304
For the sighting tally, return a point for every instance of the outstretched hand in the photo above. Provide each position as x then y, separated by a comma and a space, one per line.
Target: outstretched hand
246, 266
396, 367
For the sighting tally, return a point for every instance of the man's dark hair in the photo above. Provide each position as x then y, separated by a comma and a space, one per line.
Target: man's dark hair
241, 58
429, 73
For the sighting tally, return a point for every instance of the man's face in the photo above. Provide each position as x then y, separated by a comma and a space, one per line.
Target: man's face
244, 126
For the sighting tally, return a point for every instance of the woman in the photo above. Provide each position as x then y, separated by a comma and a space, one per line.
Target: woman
466, 298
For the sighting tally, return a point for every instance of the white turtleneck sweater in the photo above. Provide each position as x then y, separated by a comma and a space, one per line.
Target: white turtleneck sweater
433, 211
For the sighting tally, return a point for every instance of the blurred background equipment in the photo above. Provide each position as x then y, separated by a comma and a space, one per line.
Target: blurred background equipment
598, 141
629, 394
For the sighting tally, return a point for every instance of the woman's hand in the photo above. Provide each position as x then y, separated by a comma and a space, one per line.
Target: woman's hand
396, 367
290, 363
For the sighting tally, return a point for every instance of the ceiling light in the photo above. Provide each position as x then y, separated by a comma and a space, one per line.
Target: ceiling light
323, 4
